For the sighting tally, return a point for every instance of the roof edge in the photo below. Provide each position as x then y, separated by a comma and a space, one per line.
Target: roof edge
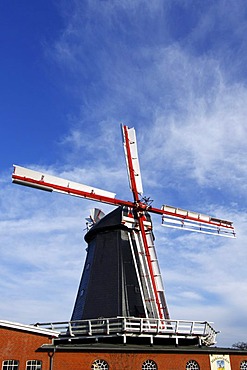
29, 328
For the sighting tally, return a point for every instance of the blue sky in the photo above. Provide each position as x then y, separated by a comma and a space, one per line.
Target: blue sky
71, 72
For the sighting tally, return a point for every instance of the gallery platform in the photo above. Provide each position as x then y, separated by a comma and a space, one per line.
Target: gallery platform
132, 329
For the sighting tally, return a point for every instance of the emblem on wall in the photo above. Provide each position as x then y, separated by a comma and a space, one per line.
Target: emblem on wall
220, 362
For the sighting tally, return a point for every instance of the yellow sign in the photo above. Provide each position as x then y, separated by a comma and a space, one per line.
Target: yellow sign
220, 362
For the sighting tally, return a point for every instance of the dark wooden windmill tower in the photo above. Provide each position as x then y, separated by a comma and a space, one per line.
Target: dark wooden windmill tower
121, 276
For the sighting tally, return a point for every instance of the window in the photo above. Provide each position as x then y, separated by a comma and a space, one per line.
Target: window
34, 365
99, 365
192, 365
10, 365
149, 365
243, 365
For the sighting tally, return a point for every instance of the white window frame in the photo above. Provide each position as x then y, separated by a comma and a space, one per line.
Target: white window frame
10, 365
99, 364
243, 365
192, 365
149, 365
33, 365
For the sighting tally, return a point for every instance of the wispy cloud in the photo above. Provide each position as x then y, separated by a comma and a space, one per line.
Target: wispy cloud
183, 86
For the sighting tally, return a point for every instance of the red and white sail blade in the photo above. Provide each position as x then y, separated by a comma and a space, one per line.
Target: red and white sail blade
39, 180
188, 220
133, 167
132, 161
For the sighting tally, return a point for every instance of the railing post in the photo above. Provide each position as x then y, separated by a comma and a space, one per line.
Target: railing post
107, 327
158, 325
192, 327
70, 329
89, 328
124, 324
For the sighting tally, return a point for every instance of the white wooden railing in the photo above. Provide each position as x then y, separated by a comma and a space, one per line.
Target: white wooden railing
133, 326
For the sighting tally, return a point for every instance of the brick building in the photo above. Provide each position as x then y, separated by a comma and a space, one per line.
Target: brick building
28, 347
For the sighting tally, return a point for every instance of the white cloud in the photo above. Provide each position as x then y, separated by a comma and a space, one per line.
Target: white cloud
205, 278
190, 119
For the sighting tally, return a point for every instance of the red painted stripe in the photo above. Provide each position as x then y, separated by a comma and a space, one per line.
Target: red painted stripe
71, 191
184, 217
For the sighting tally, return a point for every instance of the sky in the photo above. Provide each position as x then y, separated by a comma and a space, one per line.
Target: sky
71, 72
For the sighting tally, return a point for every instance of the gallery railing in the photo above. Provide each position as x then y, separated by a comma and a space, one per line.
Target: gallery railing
132, 326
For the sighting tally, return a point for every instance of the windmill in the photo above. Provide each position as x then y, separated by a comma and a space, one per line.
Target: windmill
121, 276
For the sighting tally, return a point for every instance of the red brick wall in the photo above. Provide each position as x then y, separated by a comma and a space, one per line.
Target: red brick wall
236, 361
128, 361
22, 346
134, 361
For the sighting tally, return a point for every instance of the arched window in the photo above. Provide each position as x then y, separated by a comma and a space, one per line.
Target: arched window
99, 365
243, 365
192, 365
10, 365
149, 365
34, 365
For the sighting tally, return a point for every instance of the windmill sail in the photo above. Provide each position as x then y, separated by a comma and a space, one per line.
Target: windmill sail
39, 180
133, 169
192, 221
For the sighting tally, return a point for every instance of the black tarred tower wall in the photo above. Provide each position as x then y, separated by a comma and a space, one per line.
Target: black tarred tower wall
109, 285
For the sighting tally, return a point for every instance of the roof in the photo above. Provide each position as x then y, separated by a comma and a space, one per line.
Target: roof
28, 328
137, 348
